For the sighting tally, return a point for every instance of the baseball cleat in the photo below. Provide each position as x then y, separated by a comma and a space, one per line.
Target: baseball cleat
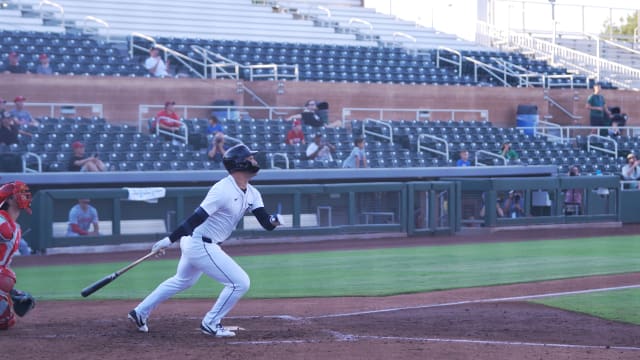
141, 323
219, 331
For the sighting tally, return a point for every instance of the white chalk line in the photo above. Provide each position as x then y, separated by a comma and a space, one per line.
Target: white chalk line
348, 337
474, 301
351, 338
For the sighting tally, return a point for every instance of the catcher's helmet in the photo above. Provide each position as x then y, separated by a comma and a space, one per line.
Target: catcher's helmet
235, 159
20, 191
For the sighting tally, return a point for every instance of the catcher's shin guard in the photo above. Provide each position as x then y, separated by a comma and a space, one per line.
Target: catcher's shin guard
7, 318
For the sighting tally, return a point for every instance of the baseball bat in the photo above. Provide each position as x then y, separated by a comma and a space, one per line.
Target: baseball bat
109, 278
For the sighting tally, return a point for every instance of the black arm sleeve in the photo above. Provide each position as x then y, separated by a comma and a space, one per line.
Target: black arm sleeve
187, 226
263, 218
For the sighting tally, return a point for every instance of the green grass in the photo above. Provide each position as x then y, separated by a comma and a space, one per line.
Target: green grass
361, 273
618, 305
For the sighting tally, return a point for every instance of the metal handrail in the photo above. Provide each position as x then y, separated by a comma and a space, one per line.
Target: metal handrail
542, 126
490, 154
52, 4
95, 108
25, 157
421, 147
284, 156
573, 59
325, 9
360, 21
373, 133
565, 111
593, 137
184, 137
99, 21
439, 58
417, 113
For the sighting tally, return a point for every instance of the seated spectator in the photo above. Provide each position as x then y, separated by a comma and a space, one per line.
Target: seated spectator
44, 68
573, 197
507, 152
3, 108
630, 171
464, 159
167, 118
82, 217
14, 66
217, 149
22, 116
357, 158
81, 162
214, 126
155, 65
514, 205
319, 150
309, 115
295, 135
9, 130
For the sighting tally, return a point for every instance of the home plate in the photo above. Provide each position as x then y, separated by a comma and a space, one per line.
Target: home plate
234, 328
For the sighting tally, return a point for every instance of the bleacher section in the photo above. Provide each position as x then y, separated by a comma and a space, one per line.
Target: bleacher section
123, 148
69, 54
83, 55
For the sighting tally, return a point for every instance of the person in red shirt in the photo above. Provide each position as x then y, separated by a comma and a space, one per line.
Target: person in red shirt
295, 135
14, 197
168, 118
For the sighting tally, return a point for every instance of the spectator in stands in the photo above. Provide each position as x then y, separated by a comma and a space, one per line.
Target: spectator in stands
499, 211
214, 126
3, 108
168, 119
598, 114
21, 115
630, 171
573, 197
14, 66
82, 217
155, 65
617, 119
44, 68
464, 159
309, 115
507, 152
295, 135
81, 162
9, 130
514, 204
217, 149
320, 150
358, 157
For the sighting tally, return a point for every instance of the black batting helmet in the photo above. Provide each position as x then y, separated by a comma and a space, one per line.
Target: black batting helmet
235, 159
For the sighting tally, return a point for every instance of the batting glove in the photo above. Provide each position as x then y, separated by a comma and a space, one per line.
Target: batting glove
276, 220
160, 246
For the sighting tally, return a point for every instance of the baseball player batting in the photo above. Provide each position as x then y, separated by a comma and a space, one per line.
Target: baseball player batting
200, 237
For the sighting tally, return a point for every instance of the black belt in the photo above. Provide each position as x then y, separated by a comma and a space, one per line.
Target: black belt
207, 240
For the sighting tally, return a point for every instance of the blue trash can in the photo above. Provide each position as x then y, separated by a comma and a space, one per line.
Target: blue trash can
527, 118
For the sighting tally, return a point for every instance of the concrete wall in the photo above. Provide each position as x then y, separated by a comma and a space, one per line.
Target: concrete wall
121, 96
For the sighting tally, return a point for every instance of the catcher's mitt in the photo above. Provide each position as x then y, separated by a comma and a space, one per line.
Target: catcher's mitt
23, 302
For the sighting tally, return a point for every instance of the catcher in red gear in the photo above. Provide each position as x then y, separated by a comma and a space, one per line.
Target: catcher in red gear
14, 197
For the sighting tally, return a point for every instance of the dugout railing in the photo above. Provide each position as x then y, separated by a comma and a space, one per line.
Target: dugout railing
330, 210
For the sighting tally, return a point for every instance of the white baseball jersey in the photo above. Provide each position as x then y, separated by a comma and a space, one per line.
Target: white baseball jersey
226, 204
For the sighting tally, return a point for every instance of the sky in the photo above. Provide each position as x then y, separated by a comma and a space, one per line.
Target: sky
458, 16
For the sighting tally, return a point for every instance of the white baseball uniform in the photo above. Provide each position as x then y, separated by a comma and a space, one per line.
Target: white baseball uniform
226, 204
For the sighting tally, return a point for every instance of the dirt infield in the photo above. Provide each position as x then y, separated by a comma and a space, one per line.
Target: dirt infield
479, 323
